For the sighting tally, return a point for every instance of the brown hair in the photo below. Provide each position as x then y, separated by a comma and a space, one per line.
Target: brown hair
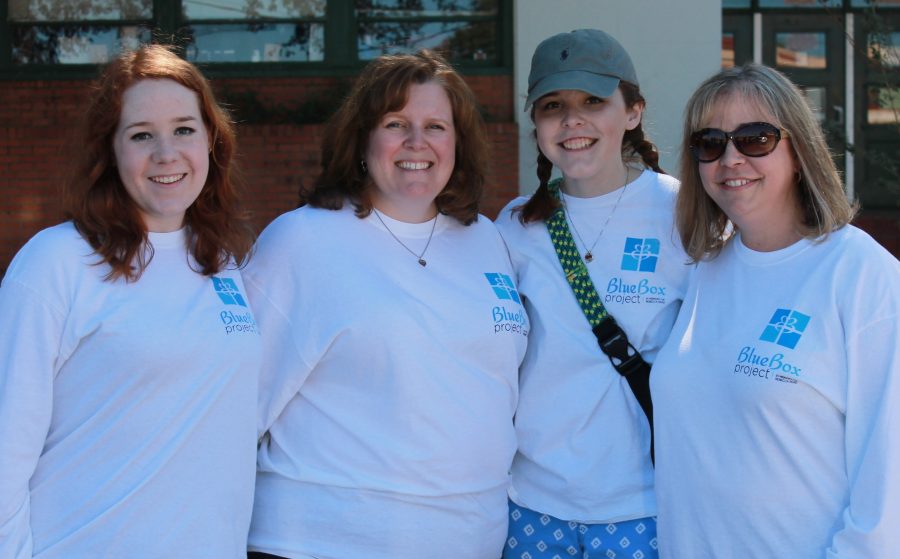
704, 226
542, 204
104, 213
383, 87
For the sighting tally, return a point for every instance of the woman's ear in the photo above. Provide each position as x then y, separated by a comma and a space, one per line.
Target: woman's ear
634, 116
795, 162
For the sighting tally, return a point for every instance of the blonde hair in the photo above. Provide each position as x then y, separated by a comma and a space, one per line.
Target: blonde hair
824, 206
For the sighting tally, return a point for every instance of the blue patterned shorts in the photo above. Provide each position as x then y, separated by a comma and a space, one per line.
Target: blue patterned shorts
533, 535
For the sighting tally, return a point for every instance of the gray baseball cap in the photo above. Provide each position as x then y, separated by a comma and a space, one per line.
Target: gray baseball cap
588, 60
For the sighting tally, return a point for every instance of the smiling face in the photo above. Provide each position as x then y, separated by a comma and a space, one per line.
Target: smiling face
411, 154
162, 151
582, 135
758, 194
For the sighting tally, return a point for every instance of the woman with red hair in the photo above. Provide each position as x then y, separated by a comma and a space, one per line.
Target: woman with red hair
128, 354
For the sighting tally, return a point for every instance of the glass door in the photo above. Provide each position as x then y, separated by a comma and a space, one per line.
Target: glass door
809, 49
877, 106
737, 39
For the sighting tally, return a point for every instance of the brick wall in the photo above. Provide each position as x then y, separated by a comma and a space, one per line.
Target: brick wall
38, 121
884, 226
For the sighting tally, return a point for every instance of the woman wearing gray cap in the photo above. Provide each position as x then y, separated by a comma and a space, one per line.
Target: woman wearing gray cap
596, 244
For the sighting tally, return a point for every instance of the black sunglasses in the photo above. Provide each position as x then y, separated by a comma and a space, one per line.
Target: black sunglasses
754, 139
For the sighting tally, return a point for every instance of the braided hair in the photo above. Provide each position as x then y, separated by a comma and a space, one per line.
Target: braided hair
541, 205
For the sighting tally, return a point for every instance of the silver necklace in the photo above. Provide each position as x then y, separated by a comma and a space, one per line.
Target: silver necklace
419, 256
589, 255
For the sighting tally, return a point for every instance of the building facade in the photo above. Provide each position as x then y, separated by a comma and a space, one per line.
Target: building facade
283, 65
845, 54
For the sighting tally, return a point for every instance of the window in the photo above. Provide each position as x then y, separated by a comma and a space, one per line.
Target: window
254, 31
807, 40
883, 105
728, 50
878, 3
801, 50
63, 32
466, 29
807, 4
41, 37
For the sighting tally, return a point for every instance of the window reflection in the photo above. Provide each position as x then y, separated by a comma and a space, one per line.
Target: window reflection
456, 40
74, 44
884, 49
800, 3
426, 8
252, 9
67, 10
727, 50
266, 42
95, 31
883, 105
800, 50
815, 96
867, 3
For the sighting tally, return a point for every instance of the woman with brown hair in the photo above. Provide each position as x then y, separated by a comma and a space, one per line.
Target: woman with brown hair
582, 479
129, 354
393, 334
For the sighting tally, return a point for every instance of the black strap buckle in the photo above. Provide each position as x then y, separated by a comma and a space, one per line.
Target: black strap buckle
614, 343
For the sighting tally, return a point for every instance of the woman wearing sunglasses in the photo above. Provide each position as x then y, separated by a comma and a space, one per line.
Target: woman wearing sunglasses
776, 396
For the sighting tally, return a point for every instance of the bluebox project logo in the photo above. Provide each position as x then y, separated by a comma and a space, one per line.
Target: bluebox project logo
503, 287
785, 328
230, 294
507, 320
641, 255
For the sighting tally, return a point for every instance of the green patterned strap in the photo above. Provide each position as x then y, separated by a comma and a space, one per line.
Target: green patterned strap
573, 266
612, 339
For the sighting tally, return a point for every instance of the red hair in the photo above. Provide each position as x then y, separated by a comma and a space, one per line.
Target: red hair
102, 210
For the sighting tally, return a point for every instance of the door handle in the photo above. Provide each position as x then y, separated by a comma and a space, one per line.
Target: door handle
838, 114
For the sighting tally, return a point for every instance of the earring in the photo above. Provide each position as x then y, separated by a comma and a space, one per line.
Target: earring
363, 166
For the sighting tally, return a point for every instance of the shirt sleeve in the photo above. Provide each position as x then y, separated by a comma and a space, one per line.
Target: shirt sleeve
869, 527
29, 340
278, 286
283, 368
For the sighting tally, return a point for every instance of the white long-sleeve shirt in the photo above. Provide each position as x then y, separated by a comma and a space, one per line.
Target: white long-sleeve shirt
388, 389
584, 442
127, 410
776, 405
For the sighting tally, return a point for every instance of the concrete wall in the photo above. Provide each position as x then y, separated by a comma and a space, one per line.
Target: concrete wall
674, 46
